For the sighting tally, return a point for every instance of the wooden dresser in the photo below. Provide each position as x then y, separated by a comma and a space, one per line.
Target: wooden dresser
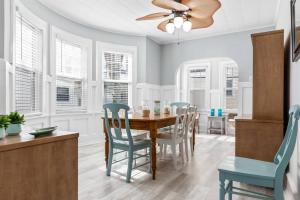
260, 137
45, 168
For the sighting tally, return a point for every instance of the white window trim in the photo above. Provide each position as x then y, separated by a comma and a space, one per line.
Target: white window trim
84, 43
101, 47
39, 23
222, 85
185, 93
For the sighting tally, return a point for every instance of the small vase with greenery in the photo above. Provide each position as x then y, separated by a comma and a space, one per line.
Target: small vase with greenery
16, 120
4, 123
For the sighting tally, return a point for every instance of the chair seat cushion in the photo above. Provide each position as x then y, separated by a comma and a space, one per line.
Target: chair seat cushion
137, 144
248, 167
136, 134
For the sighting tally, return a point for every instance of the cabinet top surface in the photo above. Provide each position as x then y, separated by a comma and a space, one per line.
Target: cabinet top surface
26, 140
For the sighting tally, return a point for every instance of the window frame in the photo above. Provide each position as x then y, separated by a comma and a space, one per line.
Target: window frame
86, 45
186, 88
223, 86
37, 22
132, 73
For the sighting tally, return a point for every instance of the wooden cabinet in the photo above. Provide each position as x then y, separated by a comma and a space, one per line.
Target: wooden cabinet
42, 168
260, 137
268, 75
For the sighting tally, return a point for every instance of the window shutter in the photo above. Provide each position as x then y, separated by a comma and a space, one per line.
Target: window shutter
116, 76
71, 92
28, 70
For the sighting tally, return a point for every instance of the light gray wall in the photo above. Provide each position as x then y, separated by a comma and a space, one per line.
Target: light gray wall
236, 46
153, 62
284, 23
2, 29
94, 34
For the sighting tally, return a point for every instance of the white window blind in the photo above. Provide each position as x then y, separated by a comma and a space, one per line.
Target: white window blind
198, 81
231, 85
116, 76
70, 76
28, 70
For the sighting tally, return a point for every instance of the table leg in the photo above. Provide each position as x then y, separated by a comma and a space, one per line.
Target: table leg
106, 143
153, 134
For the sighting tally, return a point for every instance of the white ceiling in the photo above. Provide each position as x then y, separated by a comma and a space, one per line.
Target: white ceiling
119, 16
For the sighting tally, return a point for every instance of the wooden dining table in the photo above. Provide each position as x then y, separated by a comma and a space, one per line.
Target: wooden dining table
151, 124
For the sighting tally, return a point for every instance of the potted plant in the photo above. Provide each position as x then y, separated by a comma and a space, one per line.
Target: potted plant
16, 120
4, 122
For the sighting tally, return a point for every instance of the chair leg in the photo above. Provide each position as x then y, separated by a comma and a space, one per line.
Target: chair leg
182, 152
222, 191
160, 150
110, 159
173, 148
278, 190
165, 149
186, 149
230, 190
129, 169
191, 146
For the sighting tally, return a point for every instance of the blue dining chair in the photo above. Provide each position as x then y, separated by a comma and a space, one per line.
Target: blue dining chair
260, 173
122, 142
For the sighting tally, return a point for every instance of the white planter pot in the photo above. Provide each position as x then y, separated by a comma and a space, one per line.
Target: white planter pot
14, 129
2, 133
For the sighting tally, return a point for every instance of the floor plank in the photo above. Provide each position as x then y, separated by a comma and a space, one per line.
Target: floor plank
196, 179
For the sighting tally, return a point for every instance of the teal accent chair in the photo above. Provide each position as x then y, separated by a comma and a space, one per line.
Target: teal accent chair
122, 142
260, 173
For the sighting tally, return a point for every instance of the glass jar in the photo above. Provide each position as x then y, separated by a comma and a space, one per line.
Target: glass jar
167, 108
145, 109
156, 107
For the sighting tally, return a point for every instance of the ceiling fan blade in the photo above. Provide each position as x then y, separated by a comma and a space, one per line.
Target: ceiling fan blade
153, 16
202, 8
162, 25
201, 23
170, 5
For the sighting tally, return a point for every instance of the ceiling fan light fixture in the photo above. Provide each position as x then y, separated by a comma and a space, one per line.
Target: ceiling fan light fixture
187, 26
178, 21
170, 27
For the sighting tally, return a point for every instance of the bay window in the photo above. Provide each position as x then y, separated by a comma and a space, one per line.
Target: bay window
28, 66
117, 77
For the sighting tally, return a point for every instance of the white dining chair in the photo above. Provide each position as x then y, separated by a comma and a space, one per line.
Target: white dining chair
175, 136
189, 128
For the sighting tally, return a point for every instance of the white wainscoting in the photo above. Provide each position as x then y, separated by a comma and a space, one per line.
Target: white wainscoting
147, 93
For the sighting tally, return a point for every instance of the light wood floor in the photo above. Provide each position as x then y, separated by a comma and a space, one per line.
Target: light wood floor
197, 179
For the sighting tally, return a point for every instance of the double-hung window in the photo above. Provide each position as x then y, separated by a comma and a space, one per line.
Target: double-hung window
117, 77
198, 84
231, 85
28, 66
71, 76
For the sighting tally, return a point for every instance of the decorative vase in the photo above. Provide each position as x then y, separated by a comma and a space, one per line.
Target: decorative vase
2, 133
220, 112
212, 112
14, 129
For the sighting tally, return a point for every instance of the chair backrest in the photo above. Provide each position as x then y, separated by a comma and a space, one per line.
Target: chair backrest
191, 119
181, 118
286, 149
176, 105
114, 129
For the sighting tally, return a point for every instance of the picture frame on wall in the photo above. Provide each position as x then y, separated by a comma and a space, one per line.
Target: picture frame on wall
295, 29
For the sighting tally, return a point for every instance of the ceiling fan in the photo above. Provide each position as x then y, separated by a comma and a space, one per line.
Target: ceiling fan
188, 14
